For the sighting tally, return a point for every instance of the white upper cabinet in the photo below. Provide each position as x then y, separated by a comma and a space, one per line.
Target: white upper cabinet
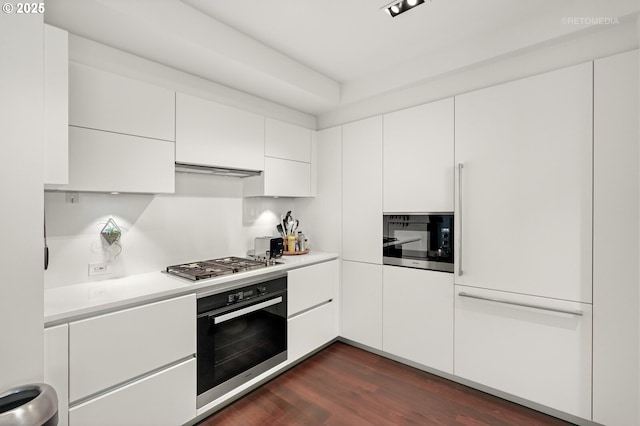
418, 158
284, 140
288, 167
120, 134
102, 100
281, 178
524, 202
362, 190
112, 162
56, 105
615, 241
211, 134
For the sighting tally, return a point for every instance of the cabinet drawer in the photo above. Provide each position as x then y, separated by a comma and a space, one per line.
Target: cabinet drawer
164, 398
310, 330
311, 286
284, 140
537, 354
114, 348
106, 101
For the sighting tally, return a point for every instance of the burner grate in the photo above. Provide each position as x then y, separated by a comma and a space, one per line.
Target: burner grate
214, 268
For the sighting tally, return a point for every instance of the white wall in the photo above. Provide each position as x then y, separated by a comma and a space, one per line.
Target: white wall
574, 49
321, 217
206, 218
21, 174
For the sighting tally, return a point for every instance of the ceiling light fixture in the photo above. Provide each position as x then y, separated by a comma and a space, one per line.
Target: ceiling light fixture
397, 8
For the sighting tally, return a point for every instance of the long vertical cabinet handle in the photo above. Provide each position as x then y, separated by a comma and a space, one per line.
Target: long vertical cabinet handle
460, 166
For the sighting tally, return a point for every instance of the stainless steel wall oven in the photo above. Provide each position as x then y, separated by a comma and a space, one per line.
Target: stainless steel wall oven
241, 334
418, 240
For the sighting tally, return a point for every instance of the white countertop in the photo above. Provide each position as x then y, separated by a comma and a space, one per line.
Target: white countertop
69, 303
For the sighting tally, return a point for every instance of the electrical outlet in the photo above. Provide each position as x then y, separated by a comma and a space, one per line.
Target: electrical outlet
99, 268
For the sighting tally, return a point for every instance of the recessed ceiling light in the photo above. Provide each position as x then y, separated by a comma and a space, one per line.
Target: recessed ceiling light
398, 7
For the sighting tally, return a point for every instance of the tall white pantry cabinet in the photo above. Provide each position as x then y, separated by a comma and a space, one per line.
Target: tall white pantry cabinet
361, 297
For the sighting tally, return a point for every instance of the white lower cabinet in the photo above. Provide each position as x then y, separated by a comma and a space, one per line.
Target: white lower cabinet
56, 367
417, 316
163, 398
311, 286
111, 349
311, 307
361, 298
540, 352
310, 330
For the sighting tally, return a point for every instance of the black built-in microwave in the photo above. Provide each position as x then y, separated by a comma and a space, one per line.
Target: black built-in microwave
418, 240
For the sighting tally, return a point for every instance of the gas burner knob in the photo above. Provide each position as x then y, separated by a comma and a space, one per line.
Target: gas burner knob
261, 290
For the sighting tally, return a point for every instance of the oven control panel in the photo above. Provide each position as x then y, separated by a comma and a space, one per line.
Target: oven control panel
245, 294
258, 290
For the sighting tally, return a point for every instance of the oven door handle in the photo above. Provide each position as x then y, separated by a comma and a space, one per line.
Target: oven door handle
240, 312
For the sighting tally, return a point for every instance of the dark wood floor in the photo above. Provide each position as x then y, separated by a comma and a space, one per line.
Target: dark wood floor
343, 385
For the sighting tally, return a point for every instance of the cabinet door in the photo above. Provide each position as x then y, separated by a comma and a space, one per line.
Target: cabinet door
56, 367
310, 330
56, 106
105, 162
285, 178
362, 190
418, 158
281, 178
534, 353
361, 298
105, 101
615, 241
418, 316
164, 398
311, 286
284, 140
129, 343
523, 214
211, 134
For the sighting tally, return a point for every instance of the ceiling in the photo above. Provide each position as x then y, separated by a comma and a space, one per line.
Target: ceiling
316, 55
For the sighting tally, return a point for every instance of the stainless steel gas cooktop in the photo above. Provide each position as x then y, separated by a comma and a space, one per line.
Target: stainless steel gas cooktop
204, 269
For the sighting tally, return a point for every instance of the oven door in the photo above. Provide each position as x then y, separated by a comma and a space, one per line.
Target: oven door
239, 342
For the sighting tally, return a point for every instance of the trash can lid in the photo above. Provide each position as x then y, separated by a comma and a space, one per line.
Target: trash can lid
33, 404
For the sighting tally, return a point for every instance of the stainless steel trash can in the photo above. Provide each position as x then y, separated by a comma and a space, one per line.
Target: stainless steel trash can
29, 405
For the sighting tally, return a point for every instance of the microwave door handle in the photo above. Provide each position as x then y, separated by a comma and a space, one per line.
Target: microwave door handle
244, 311
460, 166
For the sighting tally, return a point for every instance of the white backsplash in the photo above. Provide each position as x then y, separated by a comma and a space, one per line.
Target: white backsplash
206, 218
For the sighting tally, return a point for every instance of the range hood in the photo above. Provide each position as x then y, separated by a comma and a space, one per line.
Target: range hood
219, 171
